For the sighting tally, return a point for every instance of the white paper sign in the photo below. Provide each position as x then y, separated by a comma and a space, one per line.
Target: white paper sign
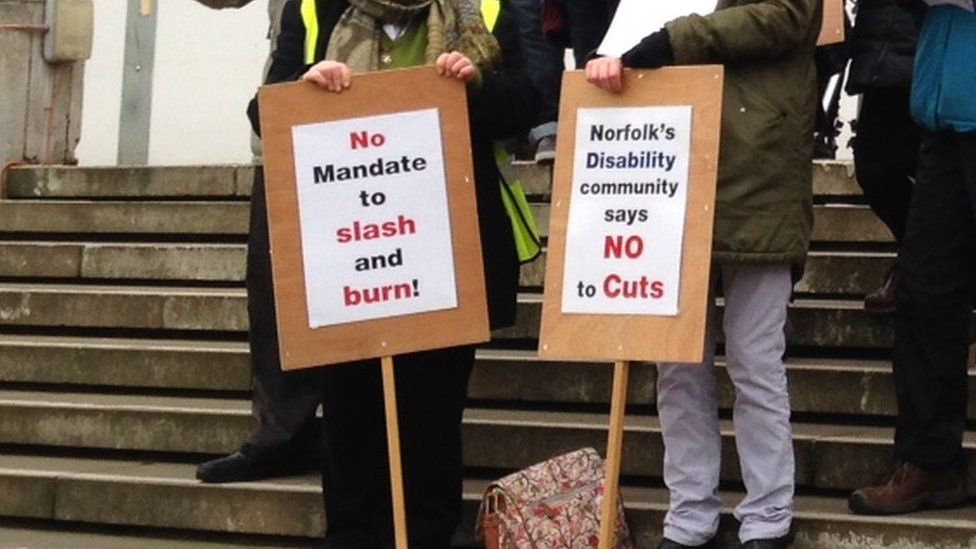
627, 212
636, 19
375, 227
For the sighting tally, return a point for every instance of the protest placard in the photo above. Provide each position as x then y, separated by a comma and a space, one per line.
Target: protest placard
373, 225
631, 224
628, 210
373, 218
630, 234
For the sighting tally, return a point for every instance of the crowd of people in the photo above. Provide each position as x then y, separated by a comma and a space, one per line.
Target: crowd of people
915, 156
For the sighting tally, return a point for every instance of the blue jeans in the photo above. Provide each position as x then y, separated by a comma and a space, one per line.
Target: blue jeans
542, 61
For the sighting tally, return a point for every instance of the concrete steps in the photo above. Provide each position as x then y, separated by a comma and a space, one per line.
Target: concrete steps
123, 217
812, 322
832, 223
828, 456
818, 386
191, 182
107, 491
123, 363
832, 273
190, 263
831, 179
57, 535
154, 494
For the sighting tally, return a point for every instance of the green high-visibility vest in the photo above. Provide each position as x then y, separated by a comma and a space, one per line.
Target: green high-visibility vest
528, 241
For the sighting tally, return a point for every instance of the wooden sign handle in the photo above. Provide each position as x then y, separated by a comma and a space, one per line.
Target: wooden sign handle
393, 444
611, 483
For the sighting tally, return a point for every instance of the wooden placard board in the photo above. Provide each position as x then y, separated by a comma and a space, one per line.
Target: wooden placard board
832, 31
623, 337
287, 109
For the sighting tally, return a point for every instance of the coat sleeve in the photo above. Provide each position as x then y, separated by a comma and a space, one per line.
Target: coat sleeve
762, 30
288, 59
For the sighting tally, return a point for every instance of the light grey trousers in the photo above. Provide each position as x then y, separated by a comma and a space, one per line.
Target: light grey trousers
756, 299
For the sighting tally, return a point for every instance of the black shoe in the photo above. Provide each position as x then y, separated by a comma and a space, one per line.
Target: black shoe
250, 464
670, 544
772, 543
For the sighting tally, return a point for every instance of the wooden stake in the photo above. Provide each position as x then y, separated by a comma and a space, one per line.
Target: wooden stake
393, 443
611, 483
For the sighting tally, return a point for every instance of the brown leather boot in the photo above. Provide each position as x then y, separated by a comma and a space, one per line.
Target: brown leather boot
906, 488
882, 300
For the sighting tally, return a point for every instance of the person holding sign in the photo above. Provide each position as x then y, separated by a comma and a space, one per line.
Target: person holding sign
763, 221
326, 42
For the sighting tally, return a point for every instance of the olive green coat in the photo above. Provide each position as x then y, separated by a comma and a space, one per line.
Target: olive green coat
764, 209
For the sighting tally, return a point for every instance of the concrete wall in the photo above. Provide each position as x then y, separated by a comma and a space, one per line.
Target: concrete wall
39, 101
208, 65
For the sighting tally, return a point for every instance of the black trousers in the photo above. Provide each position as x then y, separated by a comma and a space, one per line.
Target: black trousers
938, 281
283, 404
886, 155
431, 394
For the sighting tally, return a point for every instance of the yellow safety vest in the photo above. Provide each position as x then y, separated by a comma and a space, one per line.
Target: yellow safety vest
528, 241
310, 17
490, 10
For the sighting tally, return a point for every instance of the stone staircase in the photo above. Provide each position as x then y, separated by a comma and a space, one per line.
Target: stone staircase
123, 363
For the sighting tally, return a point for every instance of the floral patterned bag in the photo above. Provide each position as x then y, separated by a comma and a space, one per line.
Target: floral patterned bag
551, 505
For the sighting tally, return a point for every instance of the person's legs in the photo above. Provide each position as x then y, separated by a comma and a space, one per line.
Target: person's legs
431, 393
543, 61
432, 388
932, 334
355, 475
756, 299
283, 404
688, 410
934, 296
886, 155
885, 159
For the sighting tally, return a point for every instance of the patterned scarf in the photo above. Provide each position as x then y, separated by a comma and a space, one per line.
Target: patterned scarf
452, 25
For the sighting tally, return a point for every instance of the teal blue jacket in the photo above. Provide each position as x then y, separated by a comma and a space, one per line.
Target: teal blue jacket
944, 89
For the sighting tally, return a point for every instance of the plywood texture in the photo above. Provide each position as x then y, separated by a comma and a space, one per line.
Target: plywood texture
286, 105
832, 31
639, 337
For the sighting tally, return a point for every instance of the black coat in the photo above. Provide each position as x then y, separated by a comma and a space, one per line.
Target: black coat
502, 108
883, 44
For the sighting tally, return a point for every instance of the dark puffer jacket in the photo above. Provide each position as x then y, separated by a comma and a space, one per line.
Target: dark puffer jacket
883, 44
